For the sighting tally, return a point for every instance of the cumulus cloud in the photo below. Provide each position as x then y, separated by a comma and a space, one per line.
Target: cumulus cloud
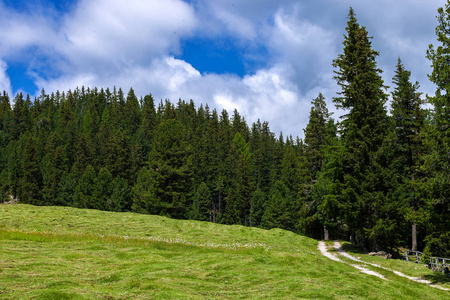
5, 83
20, 32
402, 29
106, 43
124, 32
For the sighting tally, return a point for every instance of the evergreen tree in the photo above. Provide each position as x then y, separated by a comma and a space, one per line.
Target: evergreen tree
201, 203
120, 197
5, 111
83, 157
117, 153
102, 189
32, 180
85, 189
319, 134
66, 190
52, 167
257, 206
132, 114
15, 148
21, 119
237, 209
316, 135
171, 170
363, 129
4, 186
262, 145
408, 121
280, 208
437, 187
149, 122
144, 196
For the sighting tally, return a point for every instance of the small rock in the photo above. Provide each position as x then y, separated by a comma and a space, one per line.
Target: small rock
381, 253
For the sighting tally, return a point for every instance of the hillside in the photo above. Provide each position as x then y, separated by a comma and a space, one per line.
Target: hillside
68, 253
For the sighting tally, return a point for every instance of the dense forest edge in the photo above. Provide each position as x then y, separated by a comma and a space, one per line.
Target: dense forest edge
381, 180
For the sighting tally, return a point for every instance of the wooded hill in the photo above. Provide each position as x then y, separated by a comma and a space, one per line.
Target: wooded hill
373, 176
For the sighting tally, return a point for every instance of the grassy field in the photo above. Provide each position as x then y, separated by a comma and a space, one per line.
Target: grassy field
68, 253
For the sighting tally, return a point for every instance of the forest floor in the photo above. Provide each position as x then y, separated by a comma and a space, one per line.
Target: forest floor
361, 265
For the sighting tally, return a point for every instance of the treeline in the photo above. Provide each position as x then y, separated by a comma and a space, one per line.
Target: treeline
99, 149
382, 180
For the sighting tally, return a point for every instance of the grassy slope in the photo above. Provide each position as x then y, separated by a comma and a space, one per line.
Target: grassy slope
76, 263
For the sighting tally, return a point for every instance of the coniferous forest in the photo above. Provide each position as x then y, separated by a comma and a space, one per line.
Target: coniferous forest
380, 178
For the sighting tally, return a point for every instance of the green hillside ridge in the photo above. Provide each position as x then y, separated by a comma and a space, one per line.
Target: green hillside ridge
69, 253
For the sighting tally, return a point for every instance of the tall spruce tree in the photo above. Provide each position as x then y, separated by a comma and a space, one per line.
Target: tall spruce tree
363, 129
318, 135
438, 137
408, 121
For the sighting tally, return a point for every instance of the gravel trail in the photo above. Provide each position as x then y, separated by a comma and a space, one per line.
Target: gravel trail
323, 249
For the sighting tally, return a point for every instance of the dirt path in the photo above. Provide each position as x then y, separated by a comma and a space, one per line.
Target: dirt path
323, 249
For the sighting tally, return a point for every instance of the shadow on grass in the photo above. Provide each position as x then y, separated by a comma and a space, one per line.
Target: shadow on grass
348, 247
436, 278
356, 249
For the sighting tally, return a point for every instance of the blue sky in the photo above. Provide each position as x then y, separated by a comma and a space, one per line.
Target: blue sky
266, 58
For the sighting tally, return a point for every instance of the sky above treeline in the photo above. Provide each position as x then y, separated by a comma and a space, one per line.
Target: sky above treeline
267, 59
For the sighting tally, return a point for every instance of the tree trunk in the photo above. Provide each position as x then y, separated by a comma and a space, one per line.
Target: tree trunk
325, 233
414, 237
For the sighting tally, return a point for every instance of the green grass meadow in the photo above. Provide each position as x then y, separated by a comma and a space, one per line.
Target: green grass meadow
68, 253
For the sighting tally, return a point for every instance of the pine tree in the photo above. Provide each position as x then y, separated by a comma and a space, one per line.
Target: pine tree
257, 206
149, 122
52, 167
237, 209
132, 114
85, 189
319, 133
316, 136
144, 196
408, 121
120, 198
21, 118
201, 203
5, 111
363, 129
66, 190
32, 180
280, 208
117, 153
170, 164
262, 146
437, 190
83, 157
102, 190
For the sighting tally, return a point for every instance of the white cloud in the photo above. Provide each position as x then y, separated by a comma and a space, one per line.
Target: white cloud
21, 31
5, 83
237, 25
114, 33
131, 44
267, 95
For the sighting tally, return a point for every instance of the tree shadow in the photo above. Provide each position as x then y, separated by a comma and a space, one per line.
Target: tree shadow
437, 277
348, 247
